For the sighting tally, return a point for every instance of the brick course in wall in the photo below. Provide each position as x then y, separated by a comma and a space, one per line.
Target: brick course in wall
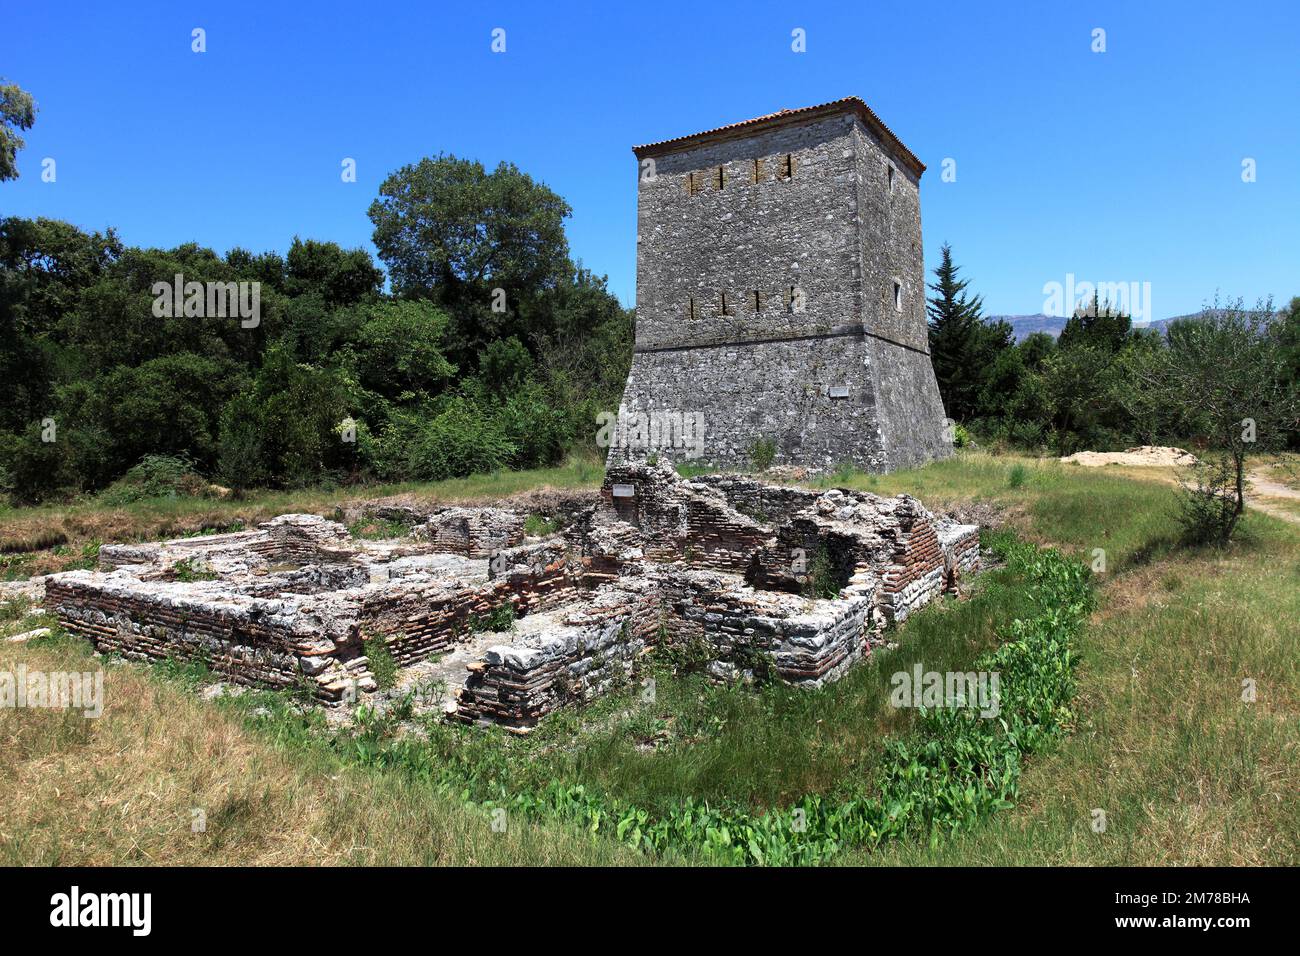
721, 562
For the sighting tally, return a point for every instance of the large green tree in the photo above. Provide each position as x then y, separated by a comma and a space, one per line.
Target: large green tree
449, 230
1225, 376
17, 114
956, 338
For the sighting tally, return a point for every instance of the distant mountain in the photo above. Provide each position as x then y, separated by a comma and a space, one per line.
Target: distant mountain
1026, 325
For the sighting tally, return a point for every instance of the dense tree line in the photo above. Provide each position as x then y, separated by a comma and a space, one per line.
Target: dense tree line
491, 349
1085, 389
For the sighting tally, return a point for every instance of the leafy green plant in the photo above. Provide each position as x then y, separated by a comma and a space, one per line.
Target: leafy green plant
539, 526
383, 667
379, 528
187, 571
499, 619
762, 453
824, 578
1017, 476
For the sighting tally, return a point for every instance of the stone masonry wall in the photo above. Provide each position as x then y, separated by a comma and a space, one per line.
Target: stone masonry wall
842, 376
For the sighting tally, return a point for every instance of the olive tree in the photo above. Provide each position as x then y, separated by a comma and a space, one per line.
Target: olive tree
1221, 377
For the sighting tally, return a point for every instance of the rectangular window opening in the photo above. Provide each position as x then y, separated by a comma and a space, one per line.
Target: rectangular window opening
726, 306
690, 308
787, 166
722, 177
758, 169
758, 301
898, 297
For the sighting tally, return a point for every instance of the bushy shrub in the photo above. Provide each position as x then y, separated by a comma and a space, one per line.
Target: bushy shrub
456, 438
283, 429
762, 453
156, 476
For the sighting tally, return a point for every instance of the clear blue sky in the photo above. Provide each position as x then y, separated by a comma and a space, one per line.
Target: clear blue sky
1115, 166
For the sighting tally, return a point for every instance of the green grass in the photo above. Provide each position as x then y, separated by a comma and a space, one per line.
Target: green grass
1161, 740
756, 747
379, 529
33, 534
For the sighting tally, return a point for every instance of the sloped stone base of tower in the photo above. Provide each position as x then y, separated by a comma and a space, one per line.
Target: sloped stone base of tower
824, 401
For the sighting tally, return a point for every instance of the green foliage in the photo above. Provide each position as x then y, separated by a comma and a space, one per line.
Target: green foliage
338, 381
188, 572
1225, 376
961, 343
17, 113
383, 667
825, 579
281, 430
155, 476
539, 526
379, 529
398, 350
762, 453
340, 276
1016, 478
685, 655
960, 436
500, 619
936, 780
455, 438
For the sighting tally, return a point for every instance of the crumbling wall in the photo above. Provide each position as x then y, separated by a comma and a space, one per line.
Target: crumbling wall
593, 649
807, 642
272, 643
473, 532
418, 620
722, 563
680, 521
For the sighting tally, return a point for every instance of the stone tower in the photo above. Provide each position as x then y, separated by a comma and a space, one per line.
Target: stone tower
780, 297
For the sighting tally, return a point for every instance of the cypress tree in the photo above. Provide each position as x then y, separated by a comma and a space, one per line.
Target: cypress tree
954, 321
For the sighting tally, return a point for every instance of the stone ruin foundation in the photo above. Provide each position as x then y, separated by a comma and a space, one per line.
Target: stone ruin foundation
724, 563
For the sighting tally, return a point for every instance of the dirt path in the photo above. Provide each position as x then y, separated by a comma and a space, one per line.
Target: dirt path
1155, 463
1261, 487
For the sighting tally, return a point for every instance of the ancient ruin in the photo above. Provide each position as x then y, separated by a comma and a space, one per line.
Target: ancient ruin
780, 298
748, 573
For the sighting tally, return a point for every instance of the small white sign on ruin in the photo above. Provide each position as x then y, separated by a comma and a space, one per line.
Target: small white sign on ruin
839, 391
624, 491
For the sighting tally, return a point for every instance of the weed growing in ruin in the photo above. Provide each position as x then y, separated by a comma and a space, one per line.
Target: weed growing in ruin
15, 609
376, 529
539, 526
191, 672
499, 619
762, 453
188, 572
760, 665
382, 665
823, 577
688, 655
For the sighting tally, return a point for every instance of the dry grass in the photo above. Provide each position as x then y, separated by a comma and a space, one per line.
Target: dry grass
121, 789
49, 538
1185, 770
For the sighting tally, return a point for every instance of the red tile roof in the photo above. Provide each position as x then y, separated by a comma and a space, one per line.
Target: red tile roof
851, 104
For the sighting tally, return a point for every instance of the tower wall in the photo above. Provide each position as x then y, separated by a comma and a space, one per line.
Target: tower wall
805, 238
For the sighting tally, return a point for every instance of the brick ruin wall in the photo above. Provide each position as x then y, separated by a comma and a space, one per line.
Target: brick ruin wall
898, 561
473, 532
707, 560
255, 642
419, 621
594, 649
